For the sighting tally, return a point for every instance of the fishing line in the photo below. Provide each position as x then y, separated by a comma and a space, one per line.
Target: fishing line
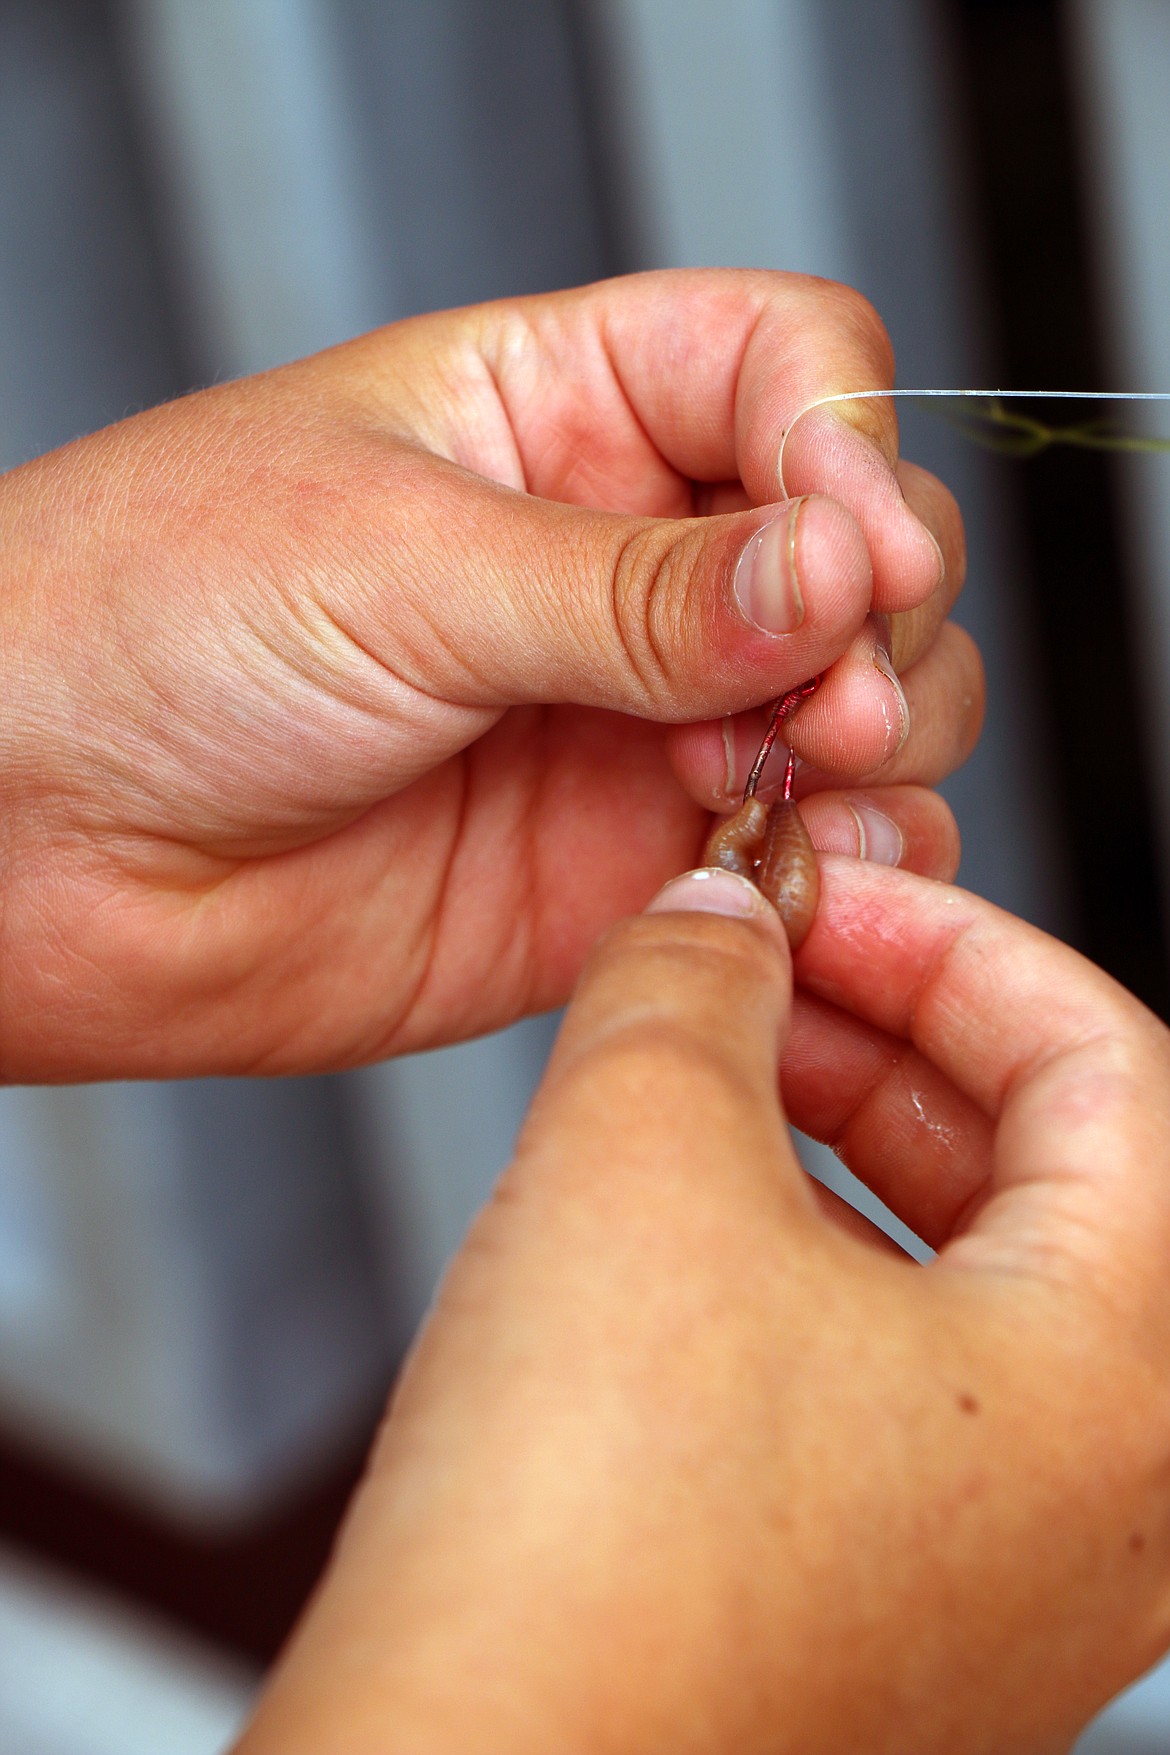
1002, 427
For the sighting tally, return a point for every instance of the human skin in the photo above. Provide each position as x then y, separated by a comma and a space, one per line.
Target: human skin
341, 708
686, 1459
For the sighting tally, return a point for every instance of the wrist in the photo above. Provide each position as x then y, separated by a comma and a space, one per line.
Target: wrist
442, 1689
438, 1631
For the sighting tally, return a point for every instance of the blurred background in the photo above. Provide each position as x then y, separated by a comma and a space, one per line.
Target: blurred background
205, 1287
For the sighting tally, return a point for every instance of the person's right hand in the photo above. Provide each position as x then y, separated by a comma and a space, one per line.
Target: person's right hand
341, 708
683, 1463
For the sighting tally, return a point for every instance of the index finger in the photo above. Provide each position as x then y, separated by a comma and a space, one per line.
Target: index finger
624, 394
1072, 1069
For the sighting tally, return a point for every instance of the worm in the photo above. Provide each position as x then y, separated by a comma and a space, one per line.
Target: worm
735, 842
788, 872
770, 845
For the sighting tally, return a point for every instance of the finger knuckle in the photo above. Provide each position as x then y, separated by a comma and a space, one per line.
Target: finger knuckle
652, 606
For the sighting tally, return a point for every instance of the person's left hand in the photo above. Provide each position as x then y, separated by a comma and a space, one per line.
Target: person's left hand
687, 1461
342, 707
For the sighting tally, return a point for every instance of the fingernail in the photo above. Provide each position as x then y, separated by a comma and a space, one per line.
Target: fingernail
897, 734
878, 838
883, 633
766, 586
727, 728
709, 890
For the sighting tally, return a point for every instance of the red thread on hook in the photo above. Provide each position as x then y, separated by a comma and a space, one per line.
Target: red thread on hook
785, 705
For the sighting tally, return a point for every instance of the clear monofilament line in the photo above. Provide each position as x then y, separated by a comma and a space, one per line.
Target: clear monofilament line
999, 417
991, 395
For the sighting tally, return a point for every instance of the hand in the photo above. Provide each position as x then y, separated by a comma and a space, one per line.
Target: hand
683, 1461
334, 702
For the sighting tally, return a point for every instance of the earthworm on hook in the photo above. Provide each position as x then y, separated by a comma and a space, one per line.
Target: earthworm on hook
771, 846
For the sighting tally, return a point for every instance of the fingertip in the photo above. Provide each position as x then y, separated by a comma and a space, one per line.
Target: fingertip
906, 826
833, 451
934, 843
833, 559
702, 976
933, 503
713, 890
858, 719
926, 561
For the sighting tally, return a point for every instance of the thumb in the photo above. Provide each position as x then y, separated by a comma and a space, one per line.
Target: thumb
584, 1352
663, 1085
500, 599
